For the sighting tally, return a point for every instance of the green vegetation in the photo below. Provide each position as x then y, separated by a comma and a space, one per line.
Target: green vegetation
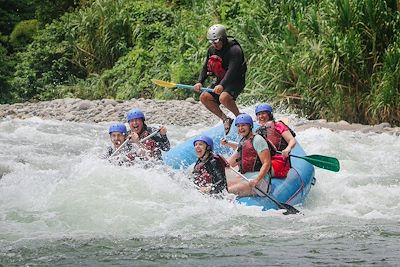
323, 59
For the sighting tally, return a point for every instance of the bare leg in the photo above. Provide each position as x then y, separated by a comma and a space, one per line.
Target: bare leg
241, 188
209, 102
227, 100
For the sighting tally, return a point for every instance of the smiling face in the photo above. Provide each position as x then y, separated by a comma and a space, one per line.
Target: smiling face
262, 117
243, 129
201, 148
136, 125
117, 139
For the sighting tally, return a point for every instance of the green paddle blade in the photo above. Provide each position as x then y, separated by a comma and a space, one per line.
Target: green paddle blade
324, 162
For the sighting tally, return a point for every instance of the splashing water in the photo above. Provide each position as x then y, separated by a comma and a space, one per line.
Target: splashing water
61, 204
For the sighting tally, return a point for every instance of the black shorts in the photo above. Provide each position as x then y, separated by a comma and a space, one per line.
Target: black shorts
233, 89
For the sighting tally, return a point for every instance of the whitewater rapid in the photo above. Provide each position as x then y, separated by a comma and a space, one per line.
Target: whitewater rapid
54, 186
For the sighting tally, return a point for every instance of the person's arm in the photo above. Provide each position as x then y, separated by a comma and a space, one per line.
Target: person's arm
284, 131
161, 139
203, 74
289, 138
235, 65
228, 143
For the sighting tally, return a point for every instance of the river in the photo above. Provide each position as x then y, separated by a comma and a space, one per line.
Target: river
62, 205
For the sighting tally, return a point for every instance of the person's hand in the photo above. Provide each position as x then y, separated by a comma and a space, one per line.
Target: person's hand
253, 183
205, 189
223, 142
163, 130
134, 137
218, 89
197, 87
285, 152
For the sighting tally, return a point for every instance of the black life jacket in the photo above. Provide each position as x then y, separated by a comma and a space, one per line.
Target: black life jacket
150, 144
203, 170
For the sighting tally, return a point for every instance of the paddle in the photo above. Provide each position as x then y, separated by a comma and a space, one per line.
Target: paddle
173, 85
141, 141
289, 209
324, 162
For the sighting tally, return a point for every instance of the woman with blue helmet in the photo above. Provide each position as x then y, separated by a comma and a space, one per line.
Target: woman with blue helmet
209, 170
279, 137
139, 130
253, 158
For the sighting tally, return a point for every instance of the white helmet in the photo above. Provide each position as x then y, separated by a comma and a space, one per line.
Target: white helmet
216, 31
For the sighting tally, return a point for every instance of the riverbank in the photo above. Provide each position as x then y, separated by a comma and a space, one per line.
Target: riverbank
173, 112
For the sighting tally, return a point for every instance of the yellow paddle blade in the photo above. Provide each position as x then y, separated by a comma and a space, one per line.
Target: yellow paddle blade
164, 83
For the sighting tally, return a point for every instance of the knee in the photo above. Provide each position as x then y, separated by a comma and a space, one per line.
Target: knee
205, 97
225, 98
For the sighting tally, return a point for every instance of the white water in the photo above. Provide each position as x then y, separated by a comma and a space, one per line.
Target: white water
53, 186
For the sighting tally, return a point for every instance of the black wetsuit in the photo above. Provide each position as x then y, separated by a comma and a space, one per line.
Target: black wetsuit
212, 168
233, 62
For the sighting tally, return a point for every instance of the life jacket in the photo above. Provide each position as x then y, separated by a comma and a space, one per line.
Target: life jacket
248, 157
126, 154
202, 170
150, 144
216, 65
275, 140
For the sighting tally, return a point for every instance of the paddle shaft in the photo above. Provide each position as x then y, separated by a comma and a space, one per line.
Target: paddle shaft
142, 140
203, 89
290, 209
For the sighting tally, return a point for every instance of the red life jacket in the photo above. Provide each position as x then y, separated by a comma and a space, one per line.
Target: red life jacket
273, 137
248, 157
202, 175
214, 66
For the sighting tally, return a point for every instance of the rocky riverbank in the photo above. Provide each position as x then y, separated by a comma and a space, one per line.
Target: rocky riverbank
173, 112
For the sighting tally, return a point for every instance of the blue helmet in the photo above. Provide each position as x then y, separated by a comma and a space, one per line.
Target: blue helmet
118, 127
135, 114
206, 140
263, 108
244, 119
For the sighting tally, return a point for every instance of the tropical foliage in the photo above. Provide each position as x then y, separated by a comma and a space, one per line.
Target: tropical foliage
321, 58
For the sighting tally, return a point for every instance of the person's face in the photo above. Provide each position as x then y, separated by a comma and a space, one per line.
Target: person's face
216, 43
262, 117
200, 147
136, 125
243, 129
117, 138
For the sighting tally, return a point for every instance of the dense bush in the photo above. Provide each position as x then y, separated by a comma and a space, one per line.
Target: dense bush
324, 59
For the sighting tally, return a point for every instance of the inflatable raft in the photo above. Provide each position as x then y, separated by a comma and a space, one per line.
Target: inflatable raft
293, 190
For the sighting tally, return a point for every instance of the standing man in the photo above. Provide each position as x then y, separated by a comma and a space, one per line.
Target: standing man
225, 60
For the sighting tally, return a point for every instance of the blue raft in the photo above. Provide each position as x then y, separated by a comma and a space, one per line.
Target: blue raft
293, 190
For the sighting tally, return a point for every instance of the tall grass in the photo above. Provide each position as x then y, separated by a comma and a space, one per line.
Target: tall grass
321, 58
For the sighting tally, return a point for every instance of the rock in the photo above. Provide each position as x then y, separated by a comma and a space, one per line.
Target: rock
385, 125
84, 105
342, 122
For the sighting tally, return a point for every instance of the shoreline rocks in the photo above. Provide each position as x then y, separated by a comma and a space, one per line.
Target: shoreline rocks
173, 112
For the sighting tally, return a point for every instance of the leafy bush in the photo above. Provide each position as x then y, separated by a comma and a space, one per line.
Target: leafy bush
23, 33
